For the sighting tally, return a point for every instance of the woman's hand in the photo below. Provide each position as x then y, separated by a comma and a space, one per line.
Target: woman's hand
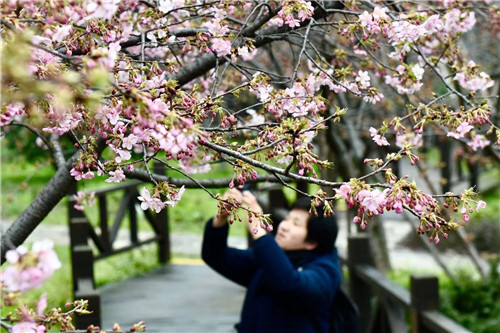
250, 203
220, 218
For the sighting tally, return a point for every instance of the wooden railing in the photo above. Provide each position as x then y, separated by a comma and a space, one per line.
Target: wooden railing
382, 303
104, 239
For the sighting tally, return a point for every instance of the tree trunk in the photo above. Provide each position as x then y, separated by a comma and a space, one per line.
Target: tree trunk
57, 188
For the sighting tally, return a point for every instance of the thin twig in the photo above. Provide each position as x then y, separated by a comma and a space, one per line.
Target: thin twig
306, 37
185, 175
34, 131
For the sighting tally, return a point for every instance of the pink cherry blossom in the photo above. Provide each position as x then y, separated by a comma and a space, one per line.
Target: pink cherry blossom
121, 154
264, 92
461, 130
129, 141
149, 202
216, 28
480, 204
455, 21
116, 176
62, 33
246, 54
374, 201
25, 327
377, 138
22, 277
174, 199
84, 198
414, 139
344, 191
365, 19
102, 9
364, 79
478, 142
418, 72
13, 110
41, 304
221, 46
166, 6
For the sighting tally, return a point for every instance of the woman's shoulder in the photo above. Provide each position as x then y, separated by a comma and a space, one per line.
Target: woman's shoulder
328, 260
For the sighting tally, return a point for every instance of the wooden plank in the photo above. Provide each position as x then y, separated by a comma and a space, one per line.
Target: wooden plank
127, 248
124, 204
375, 279
126, 185
96, 239
395, 317
435, 321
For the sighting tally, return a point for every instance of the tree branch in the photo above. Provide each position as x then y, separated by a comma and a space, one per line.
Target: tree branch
57, 151
266, 167
207, 183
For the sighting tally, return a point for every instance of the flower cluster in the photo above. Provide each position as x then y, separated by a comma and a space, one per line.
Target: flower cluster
304, 10
377, 138
11, 112
468, 198
29, 269
402, 194
461, 130
471, 79
478, 142
374, 22
413, 139
155, 201
407, 80
84, 198
298, 101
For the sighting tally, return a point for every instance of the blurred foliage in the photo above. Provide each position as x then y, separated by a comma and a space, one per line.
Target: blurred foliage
474, 303
484, 228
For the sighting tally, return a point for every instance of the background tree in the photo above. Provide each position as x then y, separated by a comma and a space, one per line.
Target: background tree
251, 84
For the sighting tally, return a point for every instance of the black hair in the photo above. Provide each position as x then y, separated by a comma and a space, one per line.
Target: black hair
321, 229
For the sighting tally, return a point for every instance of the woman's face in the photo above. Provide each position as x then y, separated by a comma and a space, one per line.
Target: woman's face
292, 231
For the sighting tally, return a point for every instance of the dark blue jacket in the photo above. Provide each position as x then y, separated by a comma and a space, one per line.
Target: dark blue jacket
281, 296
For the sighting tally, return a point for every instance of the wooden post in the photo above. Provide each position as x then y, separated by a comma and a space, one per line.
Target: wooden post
424, 290
82, 260
82, 267
359, 254
103, 222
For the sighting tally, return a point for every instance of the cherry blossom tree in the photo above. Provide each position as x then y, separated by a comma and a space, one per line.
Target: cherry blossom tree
257, 85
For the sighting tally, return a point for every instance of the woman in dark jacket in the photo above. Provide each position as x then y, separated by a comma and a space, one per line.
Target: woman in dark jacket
291, 279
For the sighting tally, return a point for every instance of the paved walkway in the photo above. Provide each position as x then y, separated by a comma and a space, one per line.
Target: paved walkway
174, 298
